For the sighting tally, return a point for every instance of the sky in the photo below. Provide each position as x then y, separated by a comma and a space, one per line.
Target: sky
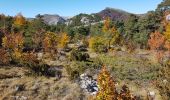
30, 8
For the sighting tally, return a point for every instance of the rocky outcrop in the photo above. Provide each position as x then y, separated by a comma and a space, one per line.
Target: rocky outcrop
52, 19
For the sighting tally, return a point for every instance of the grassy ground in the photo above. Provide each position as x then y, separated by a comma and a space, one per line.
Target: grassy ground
138, 70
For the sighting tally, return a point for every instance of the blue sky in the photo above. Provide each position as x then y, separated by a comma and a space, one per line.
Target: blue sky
30, 8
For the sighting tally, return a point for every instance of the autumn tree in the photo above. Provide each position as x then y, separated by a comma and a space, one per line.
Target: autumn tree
107, 90
112, 36
13, 43
50, 41
156, 41
106, 26
64, 39
19, 20
167, 32
167, 36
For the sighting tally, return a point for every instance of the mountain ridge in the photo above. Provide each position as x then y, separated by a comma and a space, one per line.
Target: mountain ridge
113, 13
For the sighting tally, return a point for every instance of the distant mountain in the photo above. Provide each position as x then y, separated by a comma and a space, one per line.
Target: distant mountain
52, 19
85, 19
114, 14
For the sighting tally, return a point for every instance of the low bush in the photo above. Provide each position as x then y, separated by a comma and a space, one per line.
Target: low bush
78, 56
37, 67
97, 44
99, 47
29, 59
76, 68
40, 69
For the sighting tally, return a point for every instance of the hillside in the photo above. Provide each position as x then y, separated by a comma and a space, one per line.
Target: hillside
114, 14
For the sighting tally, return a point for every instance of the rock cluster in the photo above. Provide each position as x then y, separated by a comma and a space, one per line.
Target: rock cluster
88, 84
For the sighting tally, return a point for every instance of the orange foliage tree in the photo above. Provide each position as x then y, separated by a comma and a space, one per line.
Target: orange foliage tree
13, 43
50, 41
156, 41
107, 89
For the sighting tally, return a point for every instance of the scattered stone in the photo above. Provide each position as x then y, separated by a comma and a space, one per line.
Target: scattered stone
88, 84
39, 56
165, 81
151, 95
19, 98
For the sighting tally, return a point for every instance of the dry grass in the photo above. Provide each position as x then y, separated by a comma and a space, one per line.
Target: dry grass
35, 88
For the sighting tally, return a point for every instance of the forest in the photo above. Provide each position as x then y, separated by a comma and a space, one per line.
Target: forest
110, 55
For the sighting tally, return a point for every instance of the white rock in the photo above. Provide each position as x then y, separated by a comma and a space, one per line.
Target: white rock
152, 93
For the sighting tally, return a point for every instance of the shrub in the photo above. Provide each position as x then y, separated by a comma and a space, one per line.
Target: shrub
5, 59
99, 47
73, 74
78, 56
156, 41
29, 59
37, 67
97, 44
76, 68
40, 69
